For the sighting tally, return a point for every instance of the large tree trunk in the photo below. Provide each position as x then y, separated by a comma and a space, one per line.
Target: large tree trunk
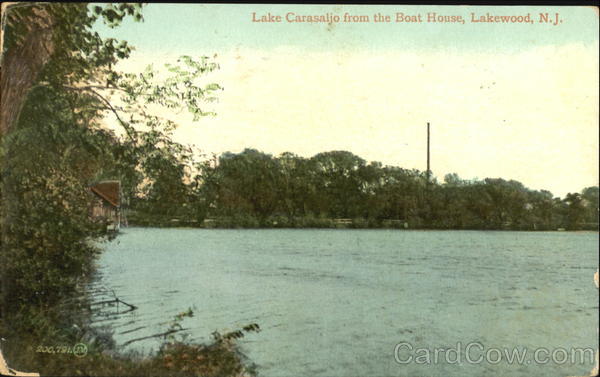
24, 59
22, 62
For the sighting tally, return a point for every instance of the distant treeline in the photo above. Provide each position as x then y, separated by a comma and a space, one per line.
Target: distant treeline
338, 188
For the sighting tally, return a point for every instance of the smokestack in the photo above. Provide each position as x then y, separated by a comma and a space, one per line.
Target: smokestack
428, 154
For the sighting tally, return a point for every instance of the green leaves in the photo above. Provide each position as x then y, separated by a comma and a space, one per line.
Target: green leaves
113, 14
339, 184
182, 89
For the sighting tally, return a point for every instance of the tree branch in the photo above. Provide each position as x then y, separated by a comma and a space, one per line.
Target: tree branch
109, 106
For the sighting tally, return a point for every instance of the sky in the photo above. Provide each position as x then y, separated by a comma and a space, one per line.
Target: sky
511, 100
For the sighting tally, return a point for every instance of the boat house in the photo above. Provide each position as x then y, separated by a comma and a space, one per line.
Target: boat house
107, 203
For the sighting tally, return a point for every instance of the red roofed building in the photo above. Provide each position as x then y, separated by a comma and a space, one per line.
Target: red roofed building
107, 203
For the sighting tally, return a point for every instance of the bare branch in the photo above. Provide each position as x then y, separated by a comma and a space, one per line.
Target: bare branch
109, 106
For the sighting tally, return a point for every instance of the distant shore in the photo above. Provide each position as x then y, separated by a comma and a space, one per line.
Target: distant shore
309, 222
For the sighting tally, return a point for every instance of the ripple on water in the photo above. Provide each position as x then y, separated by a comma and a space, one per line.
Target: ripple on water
335, 303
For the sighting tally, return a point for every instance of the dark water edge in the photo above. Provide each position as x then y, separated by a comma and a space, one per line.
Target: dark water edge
249, 222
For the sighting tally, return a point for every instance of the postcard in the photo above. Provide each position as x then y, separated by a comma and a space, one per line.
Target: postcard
299, 190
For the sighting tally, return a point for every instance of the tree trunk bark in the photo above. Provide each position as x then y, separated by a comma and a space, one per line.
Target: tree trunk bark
23, 61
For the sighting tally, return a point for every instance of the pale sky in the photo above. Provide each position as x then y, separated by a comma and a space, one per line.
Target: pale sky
517, 101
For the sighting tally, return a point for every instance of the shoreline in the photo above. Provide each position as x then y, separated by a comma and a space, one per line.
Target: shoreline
184, 225
310, 221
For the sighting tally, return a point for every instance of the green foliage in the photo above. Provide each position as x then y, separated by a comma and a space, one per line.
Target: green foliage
51, 155
79, 54
589, 197
45, 219
253, 189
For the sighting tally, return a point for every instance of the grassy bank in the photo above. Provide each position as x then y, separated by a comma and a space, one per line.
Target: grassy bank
45, 342
178, 359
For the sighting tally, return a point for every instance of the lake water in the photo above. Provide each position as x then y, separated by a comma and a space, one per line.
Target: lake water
338, 302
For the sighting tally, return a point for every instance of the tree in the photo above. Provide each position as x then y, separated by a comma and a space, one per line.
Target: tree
37, 33
340, 181
453, 180
574, 210
589, 196
52, 46
247, 183
58, 84
58, 80
46, 222
543, 211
